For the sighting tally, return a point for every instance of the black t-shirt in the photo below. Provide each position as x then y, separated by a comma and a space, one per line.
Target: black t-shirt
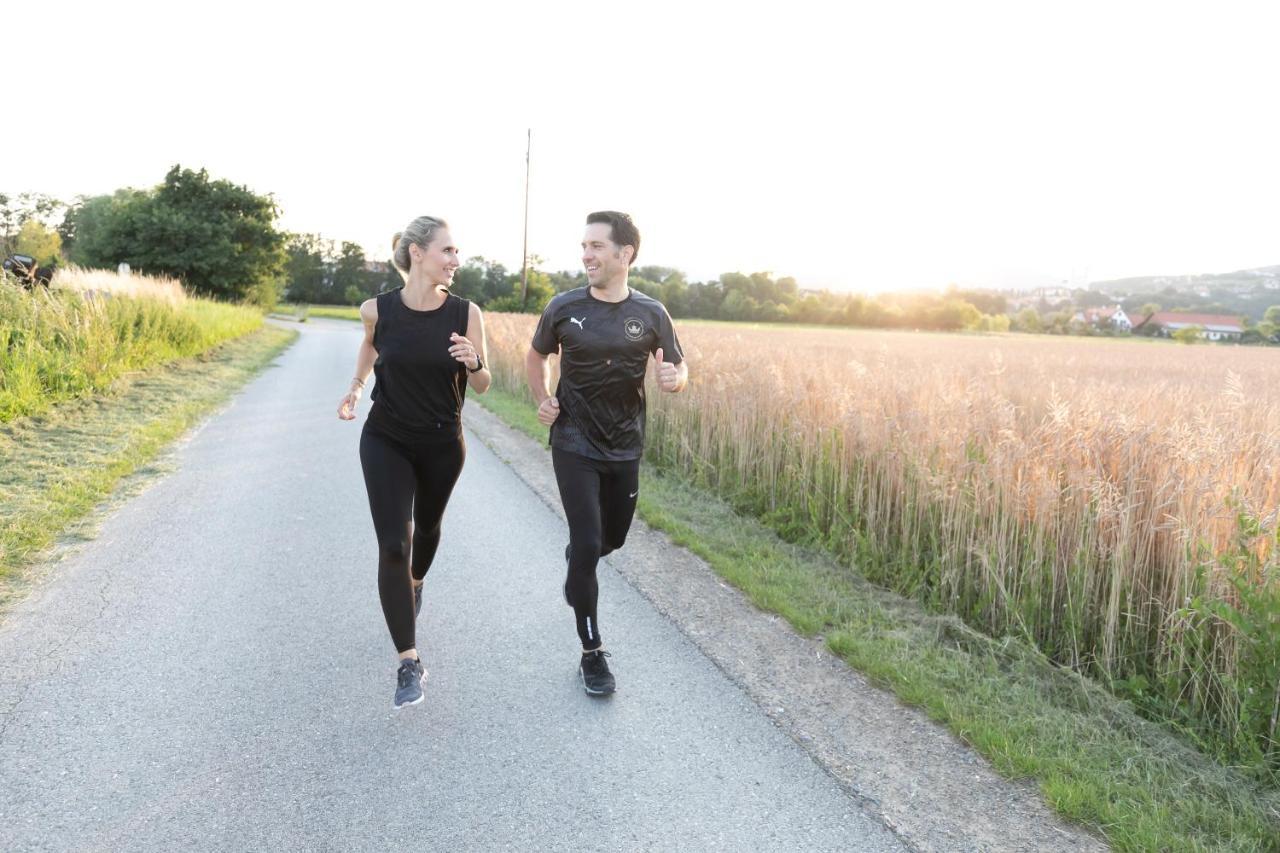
420, 388
604, 352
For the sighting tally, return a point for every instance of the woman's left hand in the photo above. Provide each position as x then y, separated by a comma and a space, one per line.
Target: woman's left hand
463, 351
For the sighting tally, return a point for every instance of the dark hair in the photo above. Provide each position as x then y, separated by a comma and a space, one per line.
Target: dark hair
622, 231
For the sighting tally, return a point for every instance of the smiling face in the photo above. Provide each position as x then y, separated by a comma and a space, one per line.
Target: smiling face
604, 260
439, 261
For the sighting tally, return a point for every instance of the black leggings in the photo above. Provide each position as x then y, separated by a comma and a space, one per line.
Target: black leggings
599, 501
408, 486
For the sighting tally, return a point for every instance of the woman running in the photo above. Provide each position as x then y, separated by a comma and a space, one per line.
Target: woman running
424, 346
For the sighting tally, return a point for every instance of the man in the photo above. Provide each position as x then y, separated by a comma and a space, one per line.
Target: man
605, 333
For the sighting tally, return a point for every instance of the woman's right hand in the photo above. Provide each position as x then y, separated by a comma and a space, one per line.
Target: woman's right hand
347, 408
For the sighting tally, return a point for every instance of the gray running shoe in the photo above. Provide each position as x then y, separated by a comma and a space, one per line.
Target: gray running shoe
409, 680
597, 680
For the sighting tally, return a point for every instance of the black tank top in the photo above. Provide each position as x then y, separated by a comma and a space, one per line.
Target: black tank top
419, 387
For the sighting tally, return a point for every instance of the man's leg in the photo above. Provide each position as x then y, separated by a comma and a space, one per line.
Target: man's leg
579, 480
618, 491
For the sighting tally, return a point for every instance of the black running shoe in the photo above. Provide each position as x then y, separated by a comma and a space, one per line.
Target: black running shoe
409, 680
597, 680
417, 599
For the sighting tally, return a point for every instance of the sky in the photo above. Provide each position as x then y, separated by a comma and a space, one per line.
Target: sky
860, 146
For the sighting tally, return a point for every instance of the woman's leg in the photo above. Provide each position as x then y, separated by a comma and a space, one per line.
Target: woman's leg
389, 480
436, 471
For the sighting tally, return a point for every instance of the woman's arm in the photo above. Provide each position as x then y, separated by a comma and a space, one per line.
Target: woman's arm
471, 349
365, 357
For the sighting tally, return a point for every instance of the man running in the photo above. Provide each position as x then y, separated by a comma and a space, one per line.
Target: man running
605, 333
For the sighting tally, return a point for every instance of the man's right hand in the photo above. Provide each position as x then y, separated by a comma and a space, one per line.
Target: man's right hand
549, 411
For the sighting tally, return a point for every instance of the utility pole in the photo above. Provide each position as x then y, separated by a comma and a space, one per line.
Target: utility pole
524, 257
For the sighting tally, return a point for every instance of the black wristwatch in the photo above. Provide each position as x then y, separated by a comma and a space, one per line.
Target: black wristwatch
479, 366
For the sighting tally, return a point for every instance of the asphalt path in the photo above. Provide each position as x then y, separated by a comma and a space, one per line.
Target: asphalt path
213, 672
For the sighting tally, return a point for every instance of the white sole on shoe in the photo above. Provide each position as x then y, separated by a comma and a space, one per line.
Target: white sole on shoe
583, 678
422, 682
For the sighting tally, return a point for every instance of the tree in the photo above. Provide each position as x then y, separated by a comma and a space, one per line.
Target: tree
94, 229
1086, 298
1272, 315
1028, 320
675, 293
17, 211
349, 274
986, 301
217, 237
307, 277
540, 293
1189, 335
40, 242
1058, 322
484, 281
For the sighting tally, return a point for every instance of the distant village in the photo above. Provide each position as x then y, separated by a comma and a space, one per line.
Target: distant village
1234, 307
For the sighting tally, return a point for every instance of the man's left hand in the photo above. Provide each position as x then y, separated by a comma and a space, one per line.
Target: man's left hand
668, 374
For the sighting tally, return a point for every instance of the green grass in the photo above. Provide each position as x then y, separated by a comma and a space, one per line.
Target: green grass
58, 345
55, 467
332, 312
1094, 759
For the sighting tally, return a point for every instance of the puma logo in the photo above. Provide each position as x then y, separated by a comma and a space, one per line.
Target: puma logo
579, 322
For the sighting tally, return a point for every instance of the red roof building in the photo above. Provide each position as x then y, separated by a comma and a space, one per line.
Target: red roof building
1217, 327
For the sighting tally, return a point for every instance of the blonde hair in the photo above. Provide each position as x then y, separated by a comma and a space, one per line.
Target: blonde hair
420, 232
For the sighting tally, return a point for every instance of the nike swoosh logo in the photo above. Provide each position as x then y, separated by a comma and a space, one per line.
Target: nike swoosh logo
633, 494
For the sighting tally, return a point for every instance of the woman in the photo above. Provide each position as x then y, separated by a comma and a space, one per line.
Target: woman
425, 346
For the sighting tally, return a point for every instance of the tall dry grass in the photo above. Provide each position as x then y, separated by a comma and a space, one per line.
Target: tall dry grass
134, 285
94, 327
1113, 502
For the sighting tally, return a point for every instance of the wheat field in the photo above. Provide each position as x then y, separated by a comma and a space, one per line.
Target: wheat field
1103, 499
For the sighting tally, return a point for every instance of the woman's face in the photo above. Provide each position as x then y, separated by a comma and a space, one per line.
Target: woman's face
439, 261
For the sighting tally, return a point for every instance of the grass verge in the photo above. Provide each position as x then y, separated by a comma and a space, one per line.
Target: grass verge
55, 467
332, 312
1094, 759
56, 345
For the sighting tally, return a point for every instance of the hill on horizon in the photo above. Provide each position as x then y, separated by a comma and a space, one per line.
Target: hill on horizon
1239, 282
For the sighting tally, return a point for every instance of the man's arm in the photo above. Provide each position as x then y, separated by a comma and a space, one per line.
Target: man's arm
537, 372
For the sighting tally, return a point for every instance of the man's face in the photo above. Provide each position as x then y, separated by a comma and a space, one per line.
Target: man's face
603, 259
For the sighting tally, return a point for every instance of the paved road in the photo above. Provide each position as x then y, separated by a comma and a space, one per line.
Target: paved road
213, 672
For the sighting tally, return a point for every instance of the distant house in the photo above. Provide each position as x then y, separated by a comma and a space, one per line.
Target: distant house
1115, 317
1051, 294
1217, 327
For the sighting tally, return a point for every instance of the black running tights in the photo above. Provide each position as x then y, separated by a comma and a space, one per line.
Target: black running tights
599, 501
408, 488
